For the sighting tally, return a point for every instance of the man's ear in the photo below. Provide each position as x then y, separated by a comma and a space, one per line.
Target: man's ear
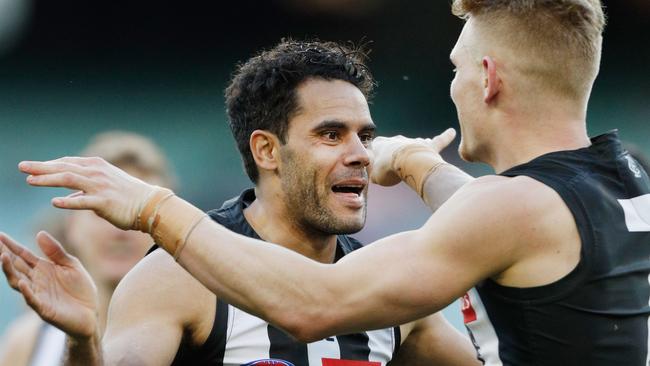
265, 147
491, 81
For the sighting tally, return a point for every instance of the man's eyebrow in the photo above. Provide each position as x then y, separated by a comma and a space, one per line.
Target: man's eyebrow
335, 124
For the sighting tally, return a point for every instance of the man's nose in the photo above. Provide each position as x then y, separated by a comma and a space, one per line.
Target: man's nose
358, 153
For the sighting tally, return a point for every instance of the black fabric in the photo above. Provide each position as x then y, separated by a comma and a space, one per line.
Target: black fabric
397, 331
231, 215
354, 346
597, 314
283, 347
220, 327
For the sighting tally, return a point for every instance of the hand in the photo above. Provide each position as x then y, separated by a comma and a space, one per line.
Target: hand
384, 148
102, 187
58, 288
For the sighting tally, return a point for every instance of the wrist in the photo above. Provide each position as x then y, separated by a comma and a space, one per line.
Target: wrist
415, 163
84, 339
172, 221
148, 209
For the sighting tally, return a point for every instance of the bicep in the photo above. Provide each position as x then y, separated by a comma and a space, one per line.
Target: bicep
147, 318
410, 275
146, 342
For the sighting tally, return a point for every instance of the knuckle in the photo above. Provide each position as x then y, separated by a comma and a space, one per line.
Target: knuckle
95, 160
67, 178
95, 173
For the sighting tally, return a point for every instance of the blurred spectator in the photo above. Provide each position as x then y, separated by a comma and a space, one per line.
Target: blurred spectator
107, 253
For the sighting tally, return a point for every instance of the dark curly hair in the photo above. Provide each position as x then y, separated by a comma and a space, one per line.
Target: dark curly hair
262, 93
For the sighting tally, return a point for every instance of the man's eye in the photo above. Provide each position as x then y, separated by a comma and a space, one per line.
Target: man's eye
331, 135
366, 138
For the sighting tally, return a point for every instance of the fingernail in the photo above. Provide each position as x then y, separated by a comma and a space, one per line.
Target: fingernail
24, 165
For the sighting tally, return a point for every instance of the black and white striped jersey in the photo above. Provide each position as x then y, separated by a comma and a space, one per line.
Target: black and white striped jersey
598, 314
249, 339
239, 338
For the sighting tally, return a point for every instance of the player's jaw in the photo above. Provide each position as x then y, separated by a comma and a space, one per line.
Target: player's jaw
347, 199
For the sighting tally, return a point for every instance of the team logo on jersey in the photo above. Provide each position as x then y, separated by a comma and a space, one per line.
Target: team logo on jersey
269, 362
631, 163
469, 315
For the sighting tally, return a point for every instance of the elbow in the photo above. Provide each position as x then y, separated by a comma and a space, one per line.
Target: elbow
307, 331
304, 326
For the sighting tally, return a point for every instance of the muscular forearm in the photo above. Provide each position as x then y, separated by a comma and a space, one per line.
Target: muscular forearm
86, 351
422, 169
442, 184
308, 299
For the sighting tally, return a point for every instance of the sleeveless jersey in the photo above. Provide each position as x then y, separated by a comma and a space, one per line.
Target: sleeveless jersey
596, 315
238, 338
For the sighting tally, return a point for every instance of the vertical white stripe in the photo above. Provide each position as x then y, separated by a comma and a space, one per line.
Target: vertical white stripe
637, 213
483, 332
50, 347
248, 338
381, 345
323, 349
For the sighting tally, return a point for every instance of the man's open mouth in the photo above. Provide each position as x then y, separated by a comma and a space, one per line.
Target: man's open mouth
348, 188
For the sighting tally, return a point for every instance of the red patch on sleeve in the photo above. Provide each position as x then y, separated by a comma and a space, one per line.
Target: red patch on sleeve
469, 315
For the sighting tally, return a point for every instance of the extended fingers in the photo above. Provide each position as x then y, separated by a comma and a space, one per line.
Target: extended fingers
61, 179
444, 139
13, 247
77, 201
30, 298
53, 249
10, 271
52, 166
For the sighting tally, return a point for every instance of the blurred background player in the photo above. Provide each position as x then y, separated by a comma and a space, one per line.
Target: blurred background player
106, 252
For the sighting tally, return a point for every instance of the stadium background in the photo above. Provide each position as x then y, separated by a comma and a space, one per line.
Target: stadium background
69, 70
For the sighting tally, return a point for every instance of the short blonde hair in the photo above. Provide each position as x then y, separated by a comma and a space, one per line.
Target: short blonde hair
561, 38
130, 150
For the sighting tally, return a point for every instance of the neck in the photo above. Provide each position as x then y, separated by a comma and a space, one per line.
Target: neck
270, 221
524, 138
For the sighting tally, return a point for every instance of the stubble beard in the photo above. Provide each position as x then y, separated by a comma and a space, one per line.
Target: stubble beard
307, 204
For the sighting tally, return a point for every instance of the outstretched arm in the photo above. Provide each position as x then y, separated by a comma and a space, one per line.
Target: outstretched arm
393, 281
396, 280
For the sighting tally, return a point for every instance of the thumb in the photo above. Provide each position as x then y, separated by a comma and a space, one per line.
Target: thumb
443, 140
53, 249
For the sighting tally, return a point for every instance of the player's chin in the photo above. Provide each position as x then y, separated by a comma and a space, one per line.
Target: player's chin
350, 221
465, 152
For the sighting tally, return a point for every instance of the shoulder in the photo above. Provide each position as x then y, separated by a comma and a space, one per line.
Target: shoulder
505, 200
19, 340
159, 289
494, 217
